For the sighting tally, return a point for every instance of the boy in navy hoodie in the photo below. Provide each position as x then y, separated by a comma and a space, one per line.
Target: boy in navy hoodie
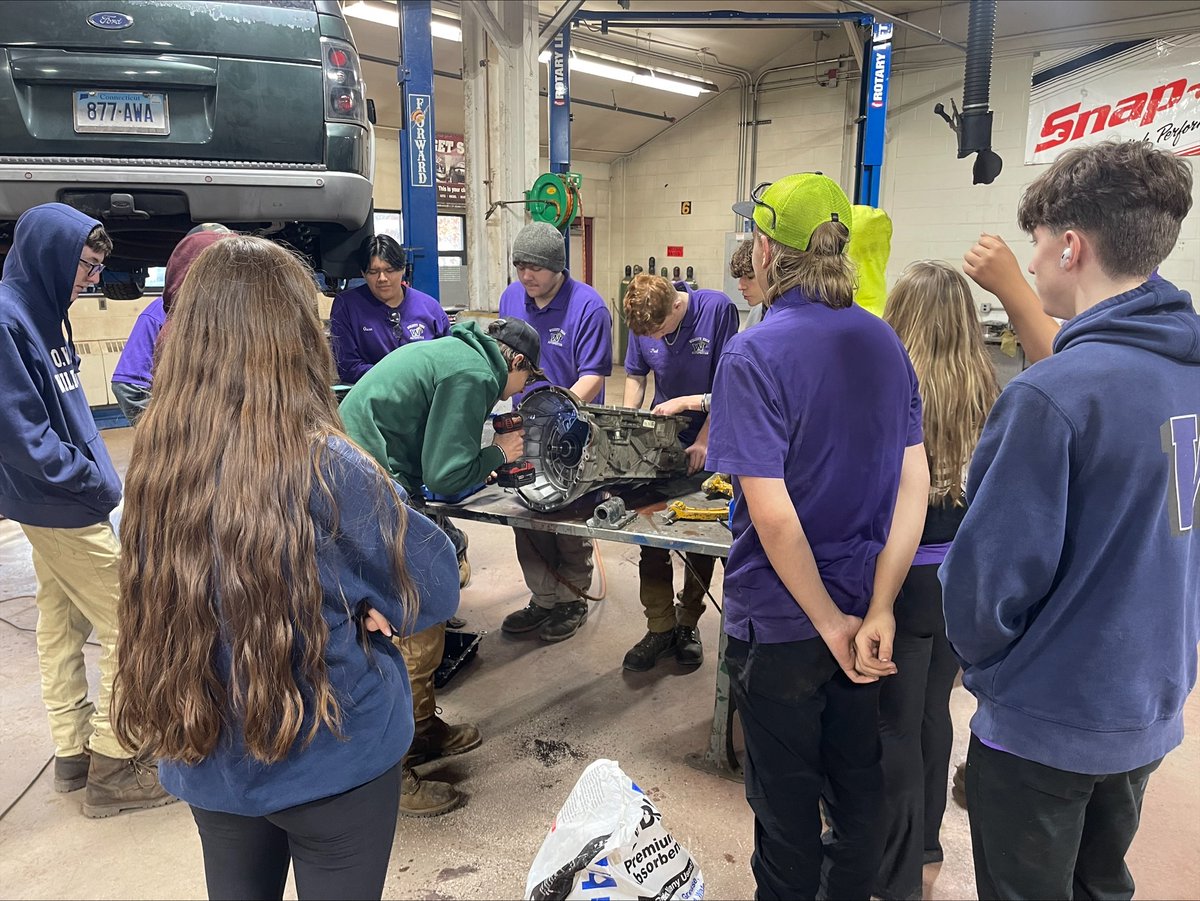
57, 481
1072, 592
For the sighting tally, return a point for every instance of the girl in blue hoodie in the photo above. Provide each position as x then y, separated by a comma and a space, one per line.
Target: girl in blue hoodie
266, 559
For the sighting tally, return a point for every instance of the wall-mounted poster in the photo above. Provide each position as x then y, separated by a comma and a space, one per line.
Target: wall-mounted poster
451, 170
1131, 90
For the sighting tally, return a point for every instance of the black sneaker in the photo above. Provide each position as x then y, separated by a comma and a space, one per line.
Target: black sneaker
528, 618
643, 655
688, 649
564, 621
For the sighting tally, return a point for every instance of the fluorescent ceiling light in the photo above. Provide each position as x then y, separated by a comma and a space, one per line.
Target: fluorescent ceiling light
446, 29
631, 73
380, 15
613, 69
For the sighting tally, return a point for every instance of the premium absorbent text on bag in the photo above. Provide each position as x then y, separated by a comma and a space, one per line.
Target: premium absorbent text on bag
609, 842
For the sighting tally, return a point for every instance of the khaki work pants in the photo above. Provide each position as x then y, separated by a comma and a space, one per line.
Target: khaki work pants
657, 589
542, 554
422, 653
77, 590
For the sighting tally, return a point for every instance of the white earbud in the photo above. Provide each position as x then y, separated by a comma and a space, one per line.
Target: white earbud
1064, 259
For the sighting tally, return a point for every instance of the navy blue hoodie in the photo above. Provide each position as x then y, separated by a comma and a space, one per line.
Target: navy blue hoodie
372, 689
54, 469
1072, 590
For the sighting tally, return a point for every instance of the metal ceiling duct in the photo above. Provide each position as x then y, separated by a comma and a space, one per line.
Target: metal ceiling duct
577, 447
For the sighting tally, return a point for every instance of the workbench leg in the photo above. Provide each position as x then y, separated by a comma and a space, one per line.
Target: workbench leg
719, 758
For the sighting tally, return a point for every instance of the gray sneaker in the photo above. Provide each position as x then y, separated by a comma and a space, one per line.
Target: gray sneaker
564, 621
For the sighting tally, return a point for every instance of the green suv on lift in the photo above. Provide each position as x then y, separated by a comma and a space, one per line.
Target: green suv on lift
153, 116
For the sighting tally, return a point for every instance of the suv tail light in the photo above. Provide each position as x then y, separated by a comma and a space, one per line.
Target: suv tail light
344, 100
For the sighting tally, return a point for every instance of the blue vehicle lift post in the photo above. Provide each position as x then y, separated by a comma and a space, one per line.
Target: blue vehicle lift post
559, 117
418, 169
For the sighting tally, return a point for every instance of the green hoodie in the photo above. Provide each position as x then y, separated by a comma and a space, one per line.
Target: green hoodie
420, 410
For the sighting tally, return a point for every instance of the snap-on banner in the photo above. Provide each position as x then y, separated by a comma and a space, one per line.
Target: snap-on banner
1130, 90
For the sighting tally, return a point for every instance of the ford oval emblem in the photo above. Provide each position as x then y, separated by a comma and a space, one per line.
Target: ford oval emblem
110, 21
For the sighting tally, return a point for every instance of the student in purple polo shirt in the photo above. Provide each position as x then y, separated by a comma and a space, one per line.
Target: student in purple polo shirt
131, 378
131, 375
575, 328
818, 419
368, 322
677, 333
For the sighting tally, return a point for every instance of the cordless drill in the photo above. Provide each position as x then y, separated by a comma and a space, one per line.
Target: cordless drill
518, 472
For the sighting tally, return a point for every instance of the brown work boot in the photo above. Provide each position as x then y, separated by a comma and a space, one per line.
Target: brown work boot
435, 738
115, 784
464, 570
426, 798
70, 773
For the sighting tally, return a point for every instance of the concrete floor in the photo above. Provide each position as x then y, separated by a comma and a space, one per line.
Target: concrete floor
545, 712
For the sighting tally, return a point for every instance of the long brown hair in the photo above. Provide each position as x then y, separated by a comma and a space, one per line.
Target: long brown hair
823, 272
218, 545
931, 309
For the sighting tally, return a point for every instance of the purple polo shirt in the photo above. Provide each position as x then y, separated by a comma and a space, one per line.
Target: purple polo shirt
363, 331
137, 359
827, 401
686, 361
575, 330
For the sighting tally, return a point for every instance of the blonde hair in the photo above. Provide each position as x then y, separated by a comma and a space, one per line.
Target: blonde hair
648, 302
823, 272
931, 309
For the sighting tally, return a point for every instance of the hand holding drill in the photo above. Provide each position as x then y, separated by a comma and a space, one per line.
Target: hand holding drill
510, 438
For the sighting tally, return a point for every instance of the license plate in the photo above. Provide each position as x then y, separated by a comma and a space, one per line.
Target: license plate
121, 113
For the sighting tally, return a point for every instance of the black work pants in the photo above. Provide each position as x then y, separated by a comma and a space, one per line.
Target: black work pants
338, 846
917, 734
811, 736
1039, 832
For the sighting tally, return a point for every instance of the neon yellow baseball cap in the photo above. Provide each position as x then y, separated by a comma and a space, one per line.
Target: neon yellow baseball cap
789, 210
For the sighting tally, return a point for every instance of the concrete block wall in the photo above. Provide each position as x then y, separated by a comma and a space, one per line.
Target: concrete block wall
693, 161
937, 212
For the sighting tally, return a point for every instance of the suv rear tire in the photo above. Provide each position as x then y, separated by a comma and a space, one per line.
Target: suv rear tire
123, 285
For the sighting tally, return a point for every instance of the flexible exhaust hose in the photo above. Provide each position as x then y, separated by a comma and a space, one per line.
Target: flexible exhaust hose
981, 36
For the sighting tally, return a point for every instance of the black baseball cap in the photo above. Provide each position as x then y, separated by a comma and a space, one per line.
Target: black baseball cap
523, 338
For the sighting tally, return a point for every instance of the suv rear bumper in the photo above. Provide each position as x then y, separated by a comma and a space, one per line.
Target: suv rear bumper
231, 193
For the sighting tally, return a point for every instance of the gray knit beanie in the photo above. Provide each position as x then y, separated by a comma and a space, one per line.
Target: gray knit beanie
540, 244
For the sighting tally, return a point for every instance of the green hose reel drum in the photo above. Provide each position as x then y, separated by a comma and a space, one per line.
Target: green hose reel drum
554, 198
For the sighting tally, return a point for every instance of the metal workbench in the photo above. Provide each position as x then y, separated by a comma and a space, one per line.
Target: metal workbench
647, 502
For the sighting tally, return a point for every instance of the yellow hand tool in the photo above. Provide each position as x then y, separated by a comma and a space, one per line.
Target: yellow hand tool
717, 485
679, 510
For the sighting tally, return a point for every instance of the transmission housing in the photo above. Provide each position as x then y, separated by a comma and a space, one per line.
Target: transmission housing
577, 447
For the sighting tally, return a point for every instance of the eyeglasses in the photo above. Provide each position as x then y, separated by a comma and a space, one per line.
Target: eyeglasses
397, 326
375, 273
756, 196
92, 268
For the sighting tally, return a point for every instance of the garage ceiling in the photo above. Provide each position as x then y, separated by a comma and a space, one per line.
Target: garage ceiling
719, 55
